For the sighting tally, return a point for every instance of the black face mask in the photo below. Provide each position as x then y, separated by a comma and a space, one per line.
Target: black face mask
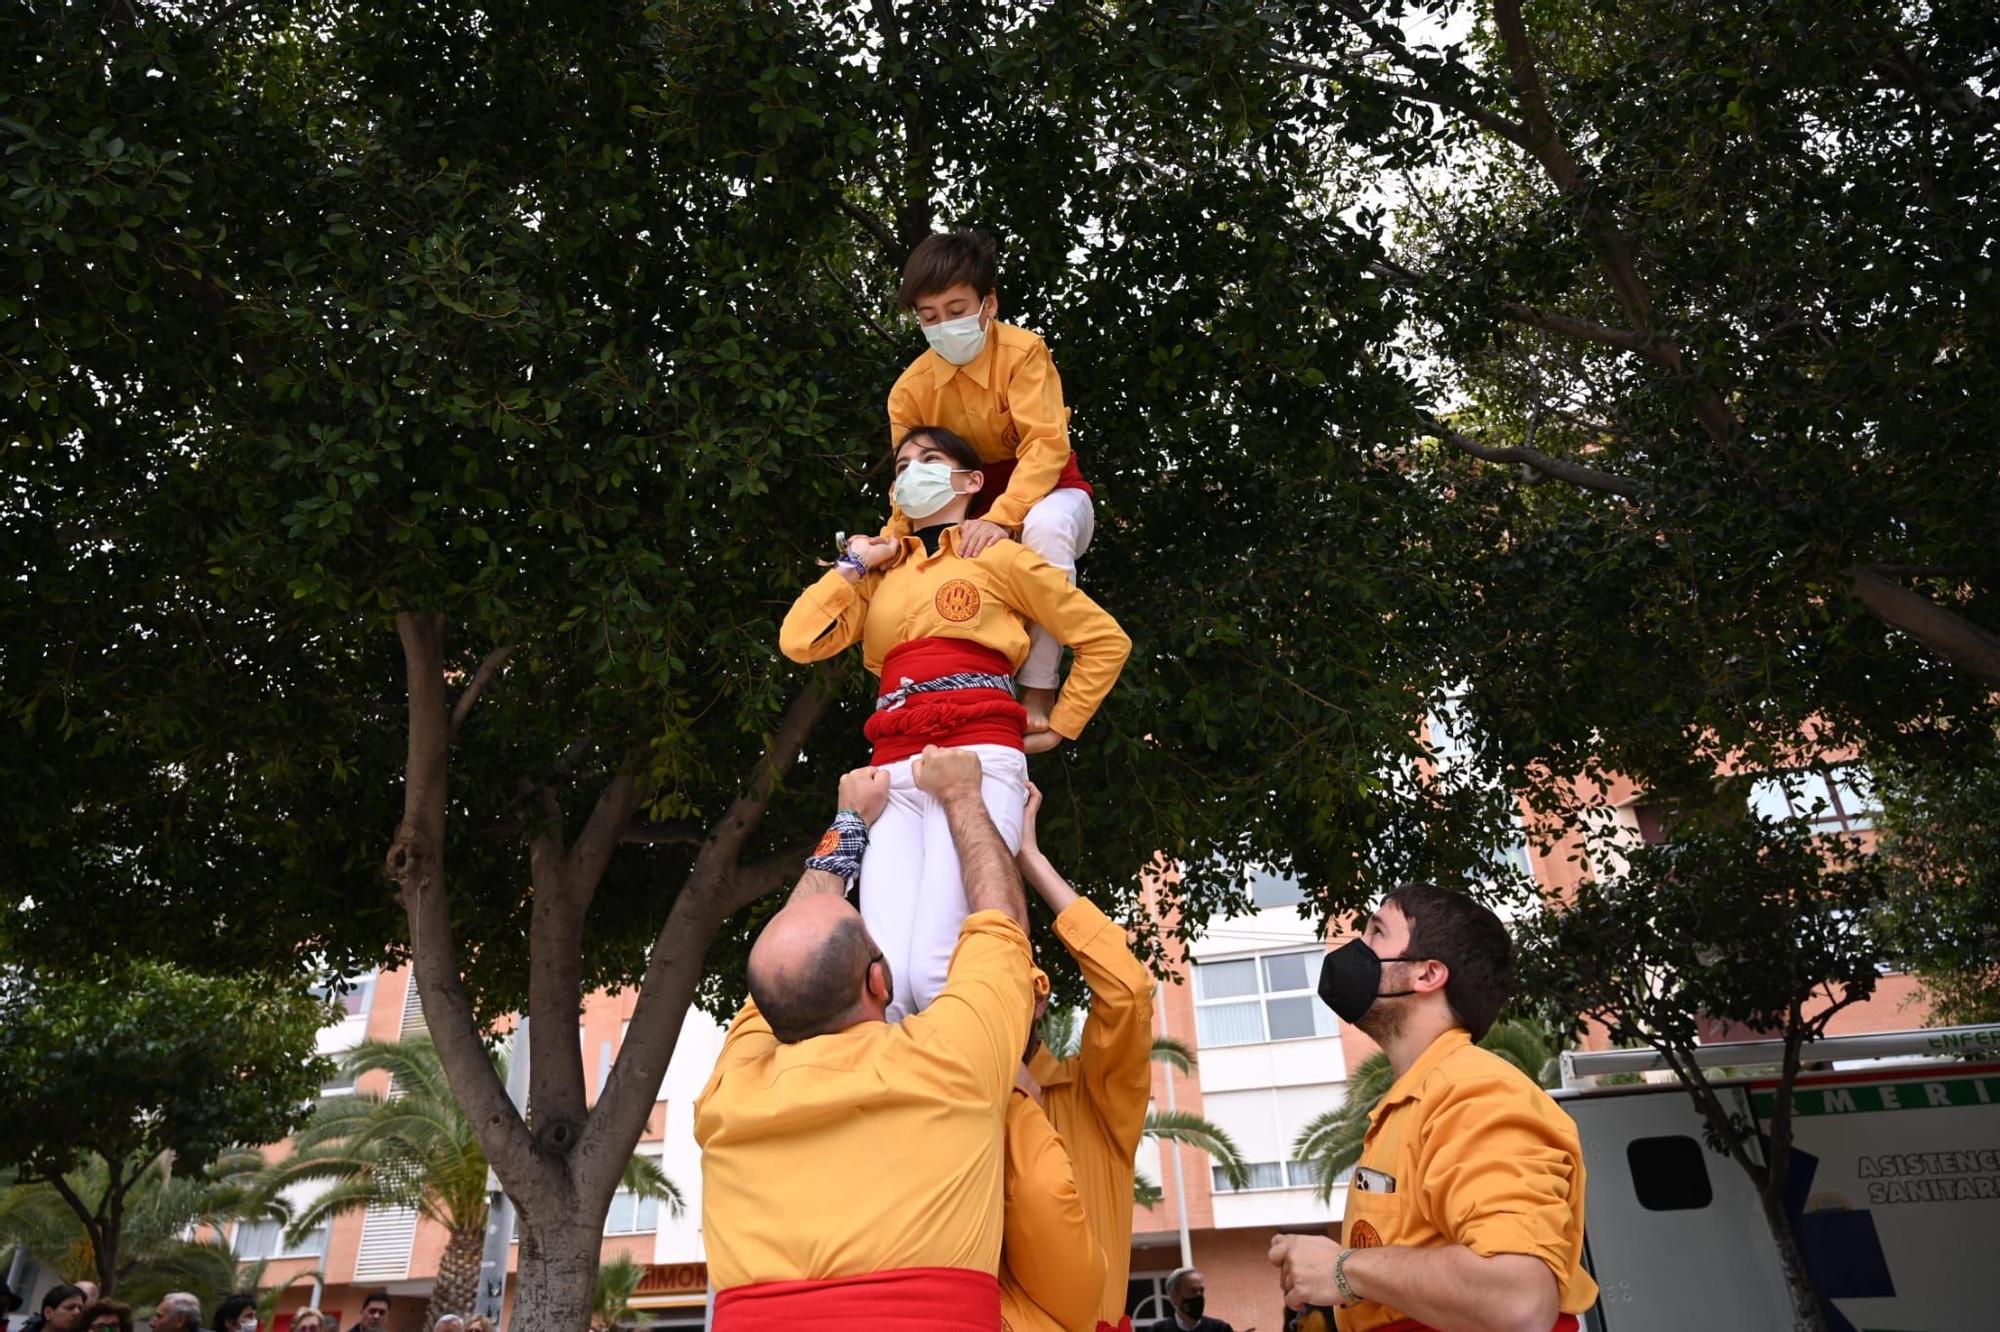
1193, 1305
1350, 980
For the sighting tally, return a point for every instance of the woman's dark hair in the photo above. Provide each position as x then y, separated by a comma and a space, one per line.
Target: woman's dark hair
231, 1309
1472, 943
947, 260
58, 1294
122, 1312
948, 442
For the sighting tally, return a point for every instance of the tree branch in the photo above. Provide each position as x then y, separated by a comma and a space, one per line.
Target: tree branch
1497, 124
1584, 330
1559, 469
893, 250
664, 834
482, 677
719, 854
761, 878
859, 305
1967, 646
609, 821
415, 864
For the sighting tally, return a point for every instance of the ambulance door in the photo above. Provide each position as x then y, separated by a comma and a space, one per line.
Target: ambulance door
1674, 1232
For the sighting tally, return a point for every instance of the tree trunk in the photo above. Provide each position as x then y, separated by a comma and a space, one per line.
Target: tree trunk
457, 1288
558, 1279
1806, 1313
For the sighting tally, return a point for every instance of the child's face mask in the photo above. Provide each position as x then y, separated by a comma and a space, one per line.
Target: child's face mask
923, 488
957, 340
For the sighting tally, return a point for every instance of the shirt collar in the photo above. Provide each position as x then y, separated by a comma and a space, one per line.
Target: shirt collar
979, 369
1410, 1086
913, 545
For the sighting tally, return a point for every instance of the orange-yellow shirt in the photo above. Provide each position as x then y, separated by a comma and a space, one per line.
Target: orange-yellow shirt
1480, 1156
1007, 402
989, 600
1052, 1267
871, 1149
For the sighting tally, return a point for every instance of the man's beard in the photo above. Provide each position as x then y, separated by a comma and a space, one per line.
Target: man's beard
1383, 1022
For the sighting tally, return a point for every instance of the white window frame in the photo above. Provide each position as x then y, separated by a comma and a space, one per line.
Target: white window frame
1816, 795
657, 1204
1262, 998
312, 1246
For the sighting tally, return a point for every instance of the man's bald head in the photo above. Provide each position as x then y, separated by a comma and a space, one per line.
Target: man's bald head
810, 970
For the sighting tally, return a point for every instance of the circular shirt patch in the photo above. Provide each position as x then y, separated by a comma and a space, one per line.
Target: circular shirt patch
829, 843
1361, 1235
957, 601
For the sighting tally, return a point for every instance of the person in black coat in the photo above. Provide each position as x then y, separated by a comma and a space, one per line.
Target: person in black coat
1187, 1292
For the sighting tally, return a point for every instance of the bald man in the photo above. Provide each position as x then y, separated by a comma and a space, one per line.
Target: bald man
852, 1168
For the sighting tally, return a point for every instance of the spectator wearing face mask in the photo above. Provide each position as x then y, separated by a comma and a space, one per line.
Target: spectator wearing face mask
107, 1316
238, 1313
1187, 1293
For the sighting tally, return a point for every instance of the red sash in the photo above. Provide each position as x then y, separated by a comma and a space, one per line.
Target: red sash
911, 1299
949, 716
1566, 1323
998, 473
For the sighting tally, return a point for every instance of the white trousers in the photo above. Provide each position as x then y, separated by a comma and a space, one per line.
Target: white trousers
912, 894
1058, 529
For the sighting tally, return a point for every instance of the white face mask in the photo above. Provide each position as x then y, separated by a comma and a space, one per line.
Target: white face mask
923, 488
957, 340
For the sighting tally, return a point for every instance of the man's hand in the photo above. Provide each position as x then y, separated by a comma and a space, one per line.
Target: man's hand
1305, 1270
1039, 742
947, 774
866, 792
976, 534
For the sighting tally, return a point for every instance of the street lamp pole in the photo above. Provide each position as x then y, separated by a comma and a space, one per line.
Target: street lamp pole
499, 1207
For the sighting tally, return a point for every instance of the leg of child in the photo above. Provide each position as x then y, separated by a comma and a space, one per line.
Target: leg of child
1058, 529
891, 874
940, 904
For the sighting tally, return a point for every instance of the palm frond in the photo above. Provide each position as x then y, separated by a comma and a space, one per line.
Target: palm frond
1061, 1031
1184, 1126
1145, 1193
644, 1177
1174, 1053
616, 1282
1331, 1141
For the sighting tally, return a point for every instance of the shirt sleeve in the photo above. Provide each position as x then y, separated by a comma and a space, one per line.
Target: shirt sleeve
828, 617
982, 1015
1050, 1249
1035, 402
1115, 1062
749, 1038
1044, 593
1502, 1172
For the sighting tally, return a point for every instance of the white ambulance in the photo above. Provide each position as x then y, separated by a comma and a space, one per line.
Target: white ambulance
1895, 1188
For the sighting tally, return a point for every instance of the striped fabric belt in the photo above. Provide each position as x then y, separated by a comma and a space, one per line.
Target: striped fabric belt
895, 698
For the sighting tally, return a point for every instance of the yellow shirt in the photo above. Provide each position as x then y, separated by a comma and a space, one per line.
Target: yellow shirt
1007, 402
871, 1149
988, 601
1479, 1156
1052, 1267
1096, 1099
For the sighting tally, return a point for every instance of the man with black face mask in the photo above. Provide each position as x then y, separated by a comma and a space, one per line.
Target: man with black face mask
1187, 1292
1466, 1211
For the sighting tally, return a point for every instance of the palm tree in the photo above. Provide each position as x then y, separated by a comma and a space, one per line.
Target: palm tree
612, 1305
163, 1208
1062, 1032
1331, 1141
412, 1148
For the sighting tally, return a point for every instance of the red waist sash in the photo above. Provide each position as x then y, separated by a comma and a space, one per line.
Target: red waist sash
997, 475
949, 716
910, 1299
1566, 1323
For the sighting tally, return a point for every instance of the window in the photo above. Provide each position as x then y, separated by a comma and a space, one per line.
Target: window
1669, 1174
266, 1239
1275, 890
1263, 1175
353, 995
342, 1081
631, 1215
1838, 801
1247, 1000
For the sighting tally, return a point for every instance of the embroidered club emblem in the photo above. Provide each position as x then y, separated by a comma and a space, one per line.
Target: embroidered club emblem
829, 843
957, 601
1361, 1235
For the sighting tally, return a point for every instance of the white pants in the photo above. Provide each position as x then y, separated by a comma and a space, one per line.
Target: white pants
912, 895
1058, 529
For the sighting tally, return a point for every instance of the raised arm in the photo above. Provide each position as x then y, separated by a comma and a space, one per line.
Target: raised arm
1035, 401
992, 880
828, 616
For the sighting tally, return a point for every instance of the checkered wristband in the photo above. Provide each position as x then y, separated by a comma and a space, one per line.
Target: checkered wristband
840, 851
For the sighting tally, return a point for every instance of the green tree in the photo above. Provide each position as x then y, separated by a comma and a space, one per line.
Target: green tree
616, 1282
1761, 923
411, 1147
1331, 1141
110, 1072
1940, 841
386, 474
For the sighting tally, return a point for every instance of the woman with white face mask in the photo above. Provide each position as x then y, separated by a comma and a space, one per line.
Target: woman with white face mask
946, 634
